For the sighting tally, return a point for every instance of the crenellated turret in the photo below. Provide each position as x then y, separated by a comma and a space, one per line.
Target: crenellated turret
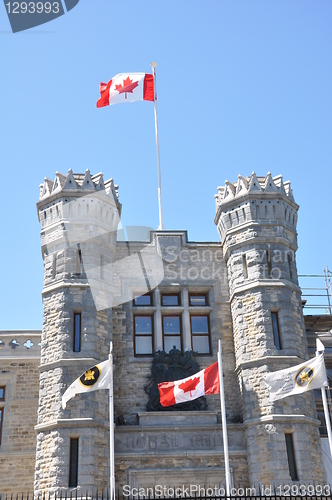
79, 215
260, 199
73, 210
256, 219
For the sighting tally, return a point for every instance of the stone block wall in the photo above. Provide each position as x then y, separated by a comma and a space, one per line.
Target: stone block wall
195, 268
86, 415
20, 378
178, 449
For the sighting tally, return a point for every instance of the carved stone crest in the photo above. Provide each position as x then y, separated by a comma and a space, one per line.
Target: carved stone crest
169, 247
167, 367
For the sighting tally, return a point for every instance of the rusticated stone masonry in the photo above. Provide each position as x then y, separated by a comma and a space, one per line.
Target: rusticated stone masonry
256, 219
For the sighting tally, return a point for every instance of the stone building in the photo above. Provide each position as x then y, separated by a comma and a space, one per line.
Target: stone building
167, 295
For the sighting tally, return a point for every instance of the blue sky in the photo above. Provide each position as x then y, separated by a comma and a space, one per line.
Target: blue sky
242, 86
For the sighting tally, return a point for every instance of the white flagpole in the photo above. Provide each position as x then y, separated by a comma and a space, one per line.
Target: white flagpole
161, 225
223, 418
320, 348
111, 413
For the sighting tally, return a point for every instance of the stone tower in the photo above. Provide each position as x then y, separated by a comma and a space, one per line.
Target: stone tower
256, 219
78, 215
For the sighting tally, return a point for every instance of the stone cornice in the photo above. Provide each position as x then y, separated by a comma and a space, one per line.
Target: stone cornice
67, 362
15, 358
180, 454
131, 429
123, 429
251, 285
281, 419
65, 284
21, 333
19, 454
254, 240
71, 422
265, 360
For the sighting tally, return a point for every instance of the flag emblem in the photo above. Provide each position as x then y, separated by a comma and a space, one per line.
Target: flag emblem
90, 377
297, 379
200, 384
127, 87
97, 377
304, 377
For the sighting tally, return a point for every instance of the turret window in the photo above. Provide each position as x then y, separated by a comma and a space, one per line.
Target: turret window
291, 456
78, 269
290, 266
276, 331
2, 399
77, 332
73, 463
102, 263
54, 266
268, 261
245, 266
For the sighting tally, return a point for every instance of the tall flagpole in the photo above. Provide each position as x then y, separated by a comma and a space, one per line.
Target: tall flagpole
111, 413
321, 348
223, 418
161, 225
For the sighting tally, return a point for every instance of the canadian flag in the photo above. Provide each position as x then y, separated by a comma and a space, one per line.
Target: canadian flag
204, 382
126, 87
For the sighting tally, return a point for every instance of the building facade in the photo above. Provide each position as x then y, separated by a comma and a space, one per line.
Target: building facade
166, 295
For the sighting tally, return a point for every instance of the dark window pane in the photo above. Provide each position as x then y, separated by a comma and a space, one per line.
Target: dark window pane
276, 333
170, 342
2, 393
197, 300
245, 266
1, 418
143, 345
143, 335
171, 325
322, 428
291, 457
143, 325
170, 300
199, 324
201, 344
73, 463
77, 332
143, 300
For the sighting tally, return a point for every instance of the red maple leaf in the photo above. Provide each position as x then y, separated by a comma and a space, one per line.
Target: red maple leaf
128, 86
189, 385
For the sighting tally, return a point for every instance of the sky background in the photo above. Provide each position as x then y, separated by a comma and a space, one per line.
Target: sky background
242, 85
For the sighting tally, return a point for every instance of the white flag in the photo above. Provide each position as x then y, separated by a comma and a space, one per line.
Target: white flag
97, 377
300, 378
